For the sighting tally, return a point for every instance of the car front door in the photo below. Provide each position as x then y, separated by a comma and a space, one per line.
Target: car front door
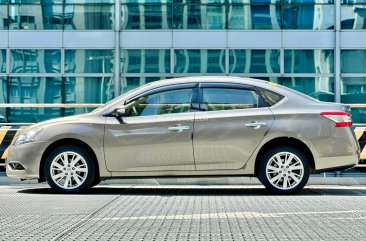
232, 123
155, 134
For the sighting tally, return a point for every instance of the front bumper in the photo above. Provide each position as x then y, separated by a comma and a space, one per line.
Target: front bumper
29, 157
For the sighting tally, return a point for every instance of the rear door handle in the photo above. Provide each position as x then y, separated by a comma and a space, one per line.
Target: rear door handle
178, 128
256, 124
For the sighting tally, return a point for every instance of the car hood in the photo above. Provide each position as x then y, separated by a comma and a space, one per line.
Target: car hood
56, 121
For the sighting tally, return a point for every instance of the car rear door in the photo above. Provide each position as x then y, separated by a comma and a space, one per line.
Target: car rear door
232, 122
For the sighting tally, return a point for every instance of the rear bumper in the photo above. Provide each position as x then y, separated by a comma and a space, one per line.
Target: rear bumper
336, 163
334, 169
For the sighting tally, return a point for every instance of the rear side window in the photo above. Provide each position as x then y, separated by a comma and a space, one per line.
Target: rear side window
271, 98
215, 99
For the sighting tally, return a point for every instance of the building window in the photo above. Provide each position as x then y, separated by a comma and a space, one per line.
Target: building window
308, 15
199, 61
89, 61
353, 61
146, 16
353, 16
309, 61
35, 61
199, 16
254, 61
321, 88
145, 61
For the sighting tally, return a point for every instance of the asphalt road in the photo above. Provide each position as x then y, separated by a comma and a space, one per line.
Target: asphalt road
140, 212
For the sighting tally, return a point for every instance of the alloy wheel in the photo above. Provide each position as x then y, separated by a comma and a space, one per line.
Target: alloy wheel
285, 170
69, 170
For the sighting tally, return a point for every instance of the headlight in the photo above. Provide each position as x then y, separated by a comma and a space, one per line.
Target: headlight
28, 136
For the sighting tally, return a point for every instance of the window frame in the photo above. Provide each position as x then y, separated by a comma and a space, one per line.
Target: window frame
193, 105
235, 86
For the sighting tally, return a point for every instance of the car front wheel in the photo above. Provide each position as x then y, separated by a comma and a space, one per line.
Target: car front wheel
69, 169
284, 170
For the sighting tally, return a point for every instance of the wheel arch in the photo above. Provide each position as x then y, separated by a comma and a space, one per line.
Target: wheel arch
285, 141
68, 142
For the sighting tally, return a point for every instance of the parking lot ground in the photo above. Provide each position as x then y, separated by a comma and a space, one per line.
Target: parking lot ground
182, 212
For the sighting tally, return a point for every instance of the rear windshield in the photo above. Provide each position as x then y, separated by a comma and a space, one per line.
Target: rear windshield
271, 98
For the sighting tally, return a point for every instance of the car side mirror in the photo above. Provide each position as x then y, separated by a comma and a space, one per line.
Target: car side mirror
119, 112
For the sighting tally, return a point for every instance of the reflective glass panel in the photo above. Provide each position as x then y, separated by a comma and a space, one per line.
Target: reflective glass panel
135, 16
3, 90
130, 83
199, 61
3, 61
254, 16
33, 17
38, 90
3, 99
321, 88
353, 90
197, 16
255, 1
89, 61
309, 1
88, 1
145, 61
88, 89
254, 61
35, 61
149, 1
309, 61
317, 17
353, 16
358, 115
353, 61
87, 17
4, 21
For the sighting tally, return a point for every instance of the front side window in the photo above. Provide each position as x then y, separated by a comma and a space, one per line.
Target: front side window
215, 99
167, 102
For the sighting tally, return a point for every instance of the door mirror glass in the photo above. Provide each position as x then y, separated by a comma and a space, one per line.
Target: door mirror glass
119, 112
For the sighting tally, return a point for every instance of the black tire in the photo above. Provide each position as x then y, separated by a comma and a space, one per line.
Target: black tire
96, 181
276, 187
88, 177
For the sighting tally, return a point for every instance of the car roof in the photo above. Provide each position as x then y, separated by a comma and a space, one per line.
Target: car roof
192, 79
280, 89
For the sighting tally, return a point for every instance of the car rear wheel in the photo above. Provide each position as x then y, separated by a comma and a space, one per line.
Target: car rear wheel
284, 170
69, 169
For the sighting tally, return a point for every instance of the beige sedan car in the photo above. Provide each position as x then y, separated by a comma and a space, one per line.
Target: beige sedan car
195, 126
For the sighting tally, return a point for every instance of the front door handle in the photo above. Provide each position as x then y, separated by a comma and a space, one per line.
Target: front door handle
178, 128
256, 124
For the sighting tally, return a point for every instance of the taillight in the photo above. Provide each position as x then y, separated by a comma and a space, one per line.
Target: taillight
341, 119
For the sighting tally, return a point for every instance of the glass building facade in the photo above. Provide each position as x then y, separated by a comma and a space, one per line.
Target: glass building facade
89, 51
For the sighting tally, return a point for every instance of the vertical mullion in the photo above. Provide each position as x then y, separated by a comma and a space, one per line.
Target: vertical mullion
227, 69
337, 53
172, 60
117, 51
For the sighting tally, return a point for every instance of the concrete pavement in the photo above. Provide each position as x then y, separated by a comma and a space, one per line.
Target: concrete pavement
182, 212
